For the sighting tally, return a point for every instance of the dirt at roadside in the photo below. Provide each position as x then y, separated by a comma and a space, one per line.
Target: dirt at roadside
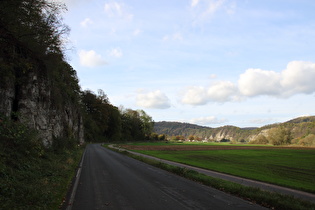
203, 147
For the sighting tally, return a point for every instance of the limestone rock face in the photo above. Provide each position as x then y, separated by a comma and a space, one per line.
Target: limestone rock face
35, 107
28, 91
223, 134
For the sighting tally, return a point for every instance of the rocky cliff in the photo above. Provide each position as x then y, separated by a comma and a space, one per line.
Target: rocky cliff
35, 93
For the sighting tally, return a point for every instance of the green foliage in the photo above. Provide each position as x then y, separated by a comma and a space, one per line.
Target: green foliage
32, 177
291, 132
105, 122
279, 136
309, 140
36, 24
154, 137
162, 137
260, 139
17, 139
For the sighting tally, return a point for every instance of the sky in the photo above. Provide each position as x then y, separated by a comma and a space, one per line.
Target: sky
246, 63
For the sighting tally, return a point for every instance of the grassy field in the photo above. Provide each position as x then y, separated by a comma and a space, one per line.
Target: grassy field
290, 167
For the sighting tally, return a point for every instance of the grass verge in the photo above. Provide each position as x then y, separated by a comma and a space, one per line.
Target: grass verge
38, 183
32, 176
255, 195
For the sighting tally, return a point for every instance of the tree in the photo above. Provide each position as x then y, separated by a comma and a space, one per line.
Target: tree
279, 136
37, 24
260, 139
154, 136
147, 123
162, 137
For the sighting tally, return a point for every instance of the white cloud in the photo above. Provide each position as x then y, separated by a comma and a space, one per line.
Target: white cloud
194, 3
222, 91
91, 58
117, 10
195, 95
207, 120
155, 99
297, 78
116, 52
86, 22
259, 82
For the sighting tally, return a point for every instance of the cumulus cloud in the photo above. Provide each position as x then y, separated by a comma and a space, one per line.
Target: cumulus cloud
86, 22
207, 120
297, 78
116, 52
195, 95
221, 91
155, 99
117, 10
91, 58
259, 82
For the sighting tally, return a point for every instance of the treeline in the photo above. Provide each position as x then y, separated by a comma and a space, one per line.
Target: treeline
298, 131
187, 131
106, 122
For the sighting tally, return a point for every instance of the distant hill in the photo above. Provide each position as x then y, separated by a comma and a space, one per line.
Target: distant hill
299, 128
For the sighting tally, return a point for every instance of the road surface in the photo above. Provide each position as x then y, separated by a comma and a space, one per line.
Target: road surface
110, 180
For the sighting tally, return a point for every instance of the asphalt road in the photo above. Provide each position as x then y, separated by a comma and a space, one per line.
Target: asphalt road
110, 180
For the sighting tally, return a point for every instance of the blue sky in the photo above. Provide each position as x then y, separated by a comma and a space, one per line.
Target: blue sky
246, 63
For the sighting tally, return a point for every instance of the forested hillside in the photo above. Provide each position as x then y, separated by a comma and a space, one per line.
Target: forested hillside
299, 131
